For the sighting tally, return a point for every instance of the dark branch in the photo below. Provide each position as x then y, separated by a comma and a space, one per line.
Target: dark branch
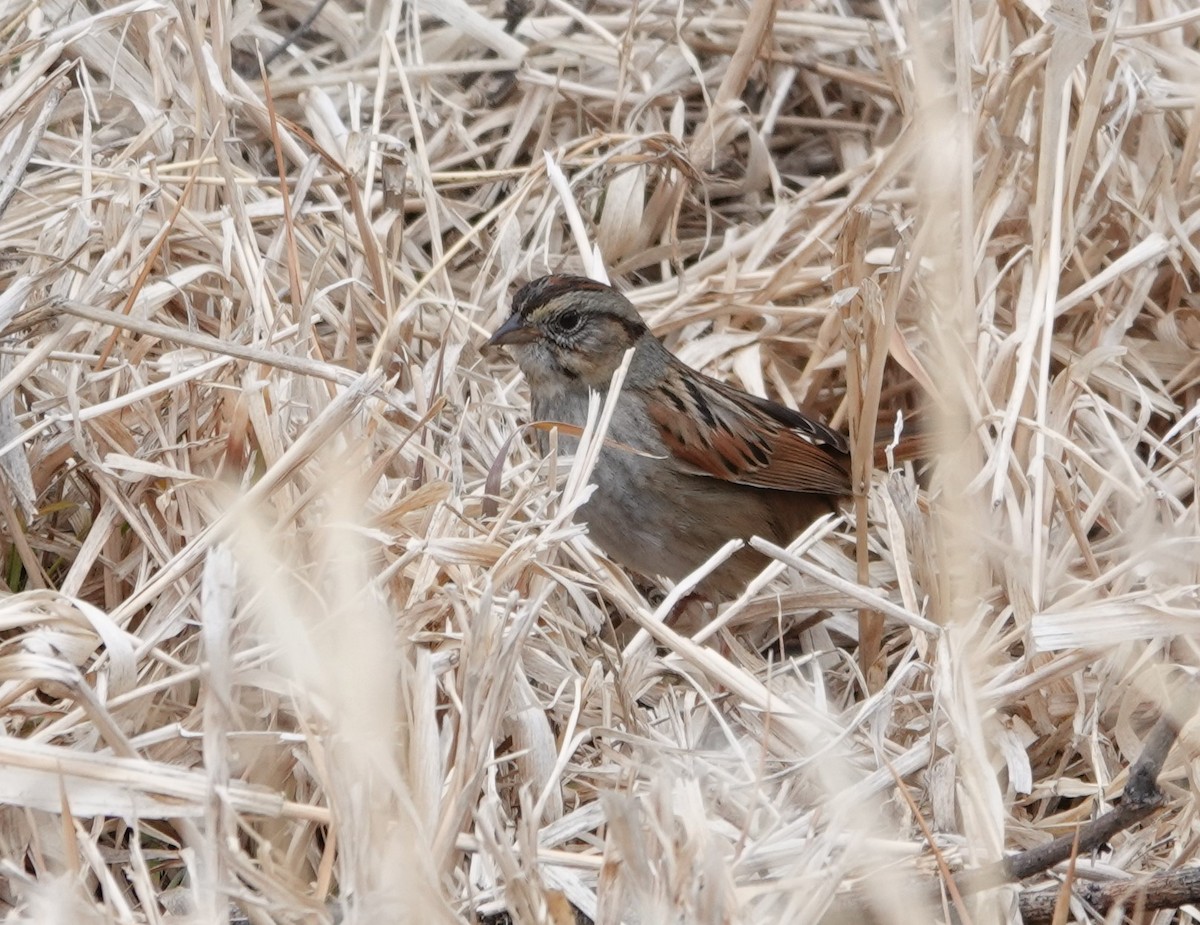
1159, 891
1140, 798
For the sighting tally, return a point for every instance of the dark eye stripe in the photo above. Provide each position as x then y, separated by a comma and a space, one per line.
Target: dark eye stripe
534, 298
633, 329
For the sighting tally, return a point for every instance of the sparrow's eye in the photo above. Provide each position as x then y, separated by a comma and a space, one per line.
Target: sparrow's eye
568, 322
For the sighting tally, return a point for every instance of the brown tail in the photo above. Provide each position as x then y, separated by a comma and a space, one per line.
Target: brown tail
911, 448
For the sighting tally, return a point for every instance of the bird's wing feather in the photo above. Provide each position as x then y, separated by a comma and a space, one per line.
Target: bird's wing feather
712, 429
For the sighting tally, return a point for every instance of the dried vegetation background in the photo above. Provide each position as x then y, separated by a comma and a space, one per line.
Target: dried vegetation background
265, 652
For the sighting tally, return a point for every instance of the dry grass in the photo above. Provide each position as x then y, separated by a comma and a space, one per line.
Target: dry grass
264, 643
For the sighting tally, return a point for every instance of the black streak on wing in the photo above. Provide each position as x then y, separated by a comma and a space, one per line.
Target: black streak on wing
760, 454
701, 403
764, 445
675, 400
819, 433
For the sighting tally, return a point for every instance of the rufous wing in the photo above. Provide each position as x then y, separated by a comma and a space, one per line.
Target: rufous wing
713, 429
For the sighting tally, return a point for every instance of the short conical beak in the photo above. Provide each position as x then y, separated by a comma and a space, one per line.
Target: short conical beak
513, 331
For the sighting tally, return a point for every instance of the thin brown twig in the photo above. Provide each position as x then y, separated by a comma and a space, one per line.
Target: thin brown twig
1140, 798
1157, 891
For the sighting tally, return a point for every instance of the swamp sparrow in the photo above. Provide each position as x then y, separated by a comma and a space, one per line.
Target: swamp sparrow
689, 463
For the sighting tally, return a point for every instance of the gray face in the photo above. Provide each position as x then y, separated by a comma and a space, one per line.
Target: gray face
566, 330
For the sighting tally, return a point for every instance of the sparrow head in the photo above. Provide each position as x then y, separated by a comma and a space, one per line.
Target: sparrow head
568, 330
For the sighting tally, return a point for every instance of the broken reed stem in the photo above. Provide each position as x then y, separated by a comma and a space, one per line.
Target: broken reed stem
866, 333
